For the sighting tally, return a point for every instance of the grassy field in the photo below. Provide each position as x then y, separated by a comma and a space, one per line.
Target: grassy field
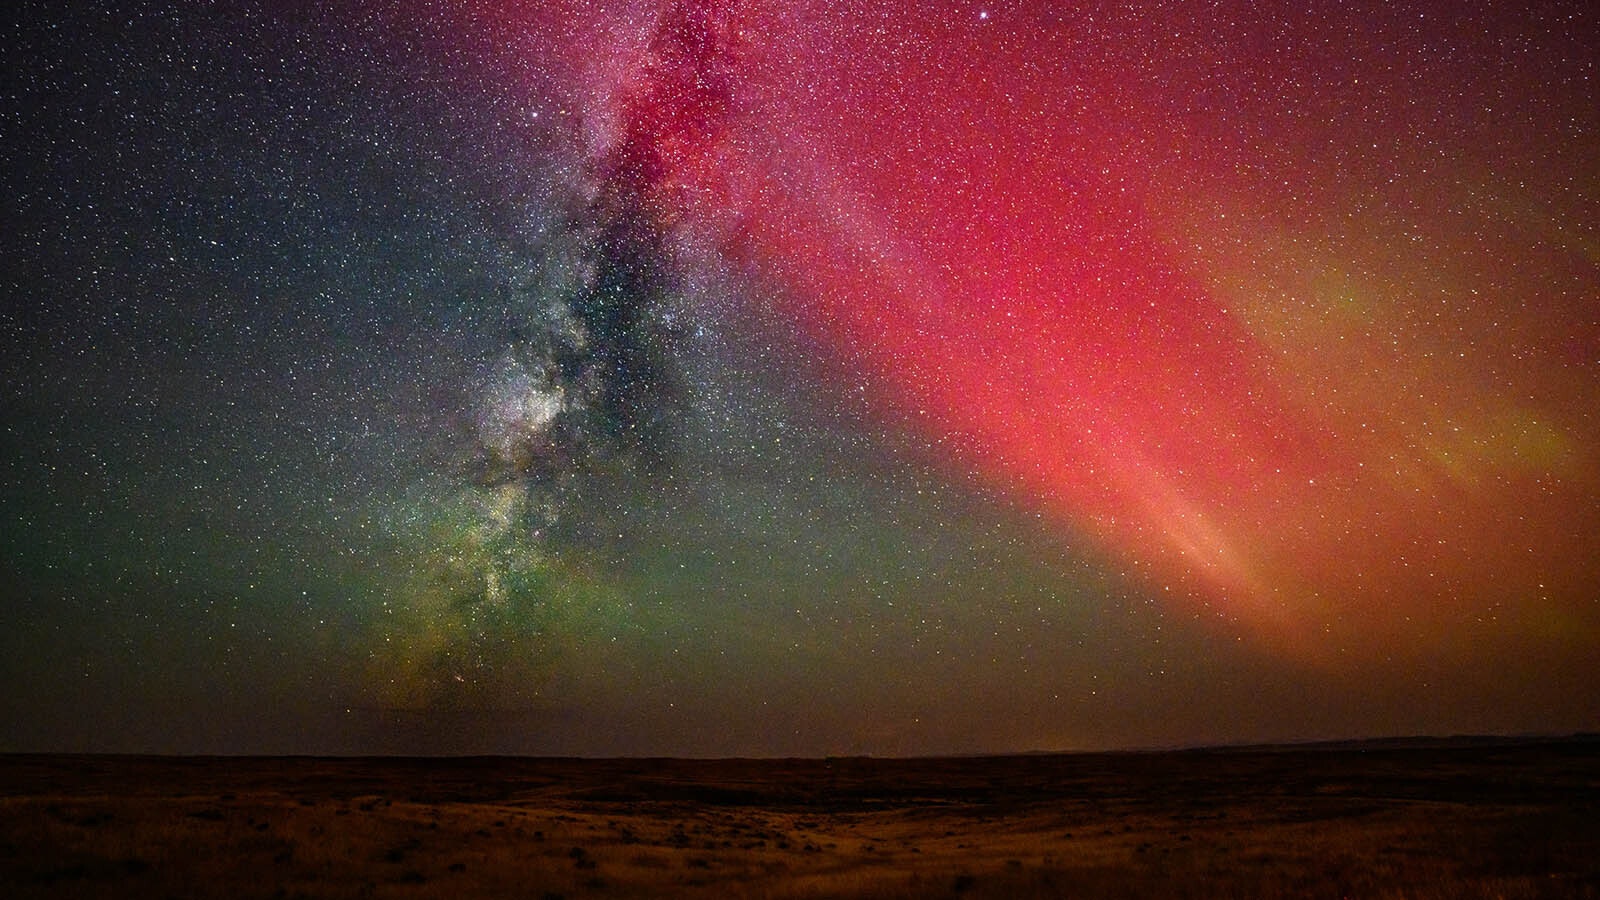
1475, 820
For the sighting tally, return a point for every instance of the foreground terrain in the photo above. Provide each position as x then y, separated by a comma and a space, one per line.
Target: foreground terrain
1408, 819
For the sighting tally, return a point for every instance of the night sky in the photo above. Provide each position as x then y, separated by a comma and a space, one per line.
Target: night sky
796, 377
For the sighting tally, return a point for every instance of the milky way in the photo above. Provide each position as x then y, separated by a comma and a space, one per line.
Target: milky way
778, 376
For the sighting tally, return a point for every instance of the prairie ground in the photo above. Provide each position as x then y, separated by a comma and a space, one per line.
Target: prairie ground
1496, 819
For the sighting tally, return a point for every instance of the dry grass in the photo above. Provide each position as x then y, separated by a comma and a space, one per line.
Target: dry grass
1504, 821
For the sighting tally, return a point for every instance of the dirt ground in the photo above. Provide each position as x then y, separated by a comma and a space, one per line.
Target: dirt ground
1504, 819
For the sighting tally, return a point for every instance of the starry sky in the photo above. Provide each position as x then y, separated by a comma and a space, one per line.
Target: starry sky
796, 377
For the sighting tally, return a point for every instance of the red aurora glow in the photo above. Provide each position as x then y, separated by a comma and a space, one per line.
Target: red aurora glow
1217, 292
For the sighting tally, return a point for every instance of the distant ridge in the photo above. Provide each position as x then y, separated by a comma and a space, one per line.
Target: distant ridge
1346, 745
1398, 742
1418, 742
